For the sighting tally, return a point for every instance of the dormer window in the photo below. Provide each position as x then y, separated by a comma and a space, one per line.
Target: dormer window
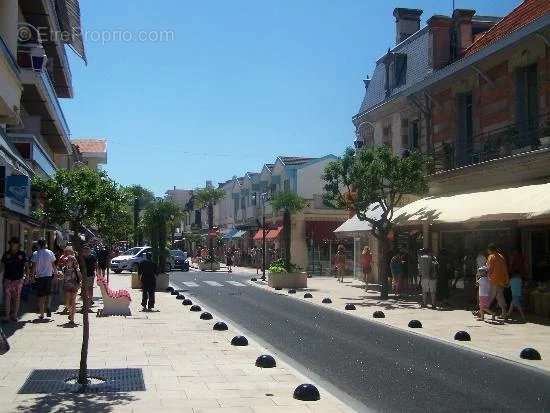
396, 71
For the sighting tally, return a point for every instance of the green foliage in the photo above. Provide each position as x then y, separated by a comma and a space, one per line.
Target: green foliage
288, 201
208, 195
375, 176
279, 266
144, 196
83, 196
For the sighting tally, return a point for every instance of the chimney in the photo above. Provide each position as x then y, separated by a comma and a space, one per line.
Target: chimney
407, 22
440, 38
462, 21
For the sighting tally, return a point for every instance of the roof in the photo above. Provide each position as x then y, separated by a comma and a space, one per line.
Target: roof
416, 47
525, 13
294, 160
91, 145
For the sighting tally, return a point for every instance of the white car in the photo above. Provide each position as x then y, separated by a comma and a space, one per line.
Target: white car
130, 260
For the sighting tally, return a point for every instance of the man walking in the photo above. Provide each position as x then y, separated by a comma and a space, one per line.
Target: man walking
43, 268
498, 276
147, 272
427, 269
15, 263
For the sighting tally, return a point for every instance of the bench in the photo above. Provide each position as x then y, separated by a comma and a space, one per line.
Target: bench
114, 302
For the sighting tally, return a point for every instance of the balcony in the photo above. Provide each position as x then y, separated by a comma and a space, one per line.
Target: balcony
512, 155
34, 153
10, 85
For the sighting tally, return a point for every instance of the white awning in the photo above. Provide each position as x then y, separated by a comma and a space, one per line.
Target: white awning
510, 204
354, 227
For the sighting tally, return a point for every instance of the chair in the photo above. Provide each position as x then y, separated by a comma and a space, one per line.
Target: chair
114, 302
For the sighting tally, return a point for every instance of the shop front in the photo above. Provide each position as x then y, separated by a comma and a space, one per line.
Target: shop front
322, 245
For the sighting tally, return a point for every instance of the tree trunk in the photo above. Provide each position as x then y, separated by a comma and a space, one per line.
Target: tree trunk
83, 369
210, 227
162, 247
287, 235
383, 264
137, 237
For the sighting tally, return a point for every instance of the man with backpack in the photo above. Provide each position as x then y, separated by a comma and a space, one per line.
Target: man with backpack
428, 269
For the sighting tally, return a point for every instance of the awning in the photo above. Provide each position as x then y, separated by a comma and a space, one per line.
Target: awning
354, 227
229, 234
238, 234
274, 233
259, 235
321, 230
69, 17
510, 204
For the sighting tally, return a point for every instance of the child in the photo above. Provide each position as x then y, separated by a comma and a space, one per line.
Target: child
516, 285
484, 293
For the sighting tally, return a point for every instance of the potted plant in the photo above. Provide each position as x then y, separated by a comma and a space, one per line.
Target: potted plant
279, 277
209, 263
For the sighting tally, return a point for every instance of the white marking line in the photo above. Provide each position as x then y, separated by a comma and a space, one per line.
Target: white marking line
190, 284
235, 283
214, 283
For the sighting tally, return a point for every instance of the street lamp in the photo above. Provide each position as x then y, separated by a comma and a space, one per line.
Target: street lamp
36, 50
263, 198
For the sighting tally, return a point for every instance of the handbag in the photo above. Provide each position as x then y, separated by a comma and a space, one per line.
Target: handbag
4, 345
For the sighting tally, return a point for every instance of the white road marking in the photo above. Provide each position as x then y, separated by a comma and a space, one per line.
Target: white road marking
214, 283
190, 284
235, 283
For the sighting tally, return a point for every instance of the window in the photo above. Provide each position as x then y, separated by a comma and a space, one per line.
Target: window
414, 134
287, 185
396, 71
527, 102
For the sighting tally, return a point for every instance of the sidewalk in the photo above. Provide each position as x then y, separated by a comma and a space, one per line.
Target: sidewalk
186, 366
502, 339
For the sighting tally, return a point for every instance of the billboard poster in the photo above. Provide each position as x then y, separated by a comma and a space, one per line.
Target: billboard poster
17, 193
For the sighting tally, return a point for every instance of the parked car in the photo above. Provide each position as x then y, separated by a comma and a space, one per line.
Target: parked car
130, 260
180, 259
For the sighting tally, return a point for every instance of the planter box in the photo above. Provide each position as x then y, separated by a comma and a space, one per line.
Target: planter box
209, 266
287, 280
162, 282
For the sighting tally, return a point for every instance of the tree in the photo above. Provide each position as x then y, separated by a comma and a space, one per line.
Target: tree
375, 178
157, 219
289, 203
139, 199
78, 197
206, 198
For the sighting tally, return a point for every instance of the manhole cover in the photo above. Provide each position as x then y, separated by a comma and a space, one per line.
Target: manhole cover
49, 381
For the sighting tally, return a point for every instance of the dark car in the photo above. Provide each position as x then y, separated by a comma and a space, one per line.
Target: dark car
180, 260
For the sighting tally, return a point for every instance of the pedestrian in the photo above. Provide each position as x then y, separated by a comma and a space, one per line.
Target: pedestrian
102, 260
481, 260
14, 261
497, 272
147, 272
516, 285
340, 261
90, 264
229, 260
427, 269
442, 282
366, 262
396, 268
485, 292
72, 279
43, 268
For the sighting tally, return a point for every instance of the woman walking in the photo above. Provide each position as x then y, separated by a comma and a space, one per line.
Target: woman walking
366, 261
341, 263
229, 260
72, 278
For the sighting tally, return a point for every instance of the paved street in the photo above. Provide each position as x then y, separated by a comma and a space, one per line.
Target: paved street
381, 367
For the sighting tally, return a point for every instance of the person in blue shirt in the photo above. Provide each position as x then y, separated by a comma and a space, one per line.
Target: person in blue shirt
516, 284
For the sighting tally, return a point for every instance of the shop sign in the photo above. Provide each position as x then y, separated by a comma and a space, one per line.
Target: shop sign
17, 193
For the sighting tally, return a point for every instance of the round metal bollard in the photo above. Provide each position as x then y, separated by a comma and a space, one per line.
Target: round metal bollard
220, 326
415, 324
306, 393
174, 292
308, 295
350, 307
180, 297
327, 301
266, 361
206, 316
195, 308
530, 354
169, 289
379, 314
253, 279
278, 288
462, 336
187, 301
292, 291
239, 341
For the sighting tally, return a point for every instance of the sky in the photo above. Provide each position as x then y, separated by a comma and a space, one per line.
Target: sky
187, 91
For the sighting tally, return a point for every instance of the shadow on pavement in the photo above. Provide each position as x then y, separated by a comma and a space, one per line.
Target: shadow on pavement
82, 402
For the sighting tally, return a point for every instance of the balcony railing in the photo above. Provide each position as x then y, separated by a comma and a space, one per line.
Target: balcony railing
510, 140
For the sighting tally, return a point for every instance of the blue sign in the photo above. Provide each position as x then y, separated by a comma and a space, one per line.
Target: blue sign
17, 191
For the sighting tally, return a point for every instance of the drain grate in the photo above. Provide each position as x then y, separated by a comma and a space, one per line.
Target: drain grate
58, 381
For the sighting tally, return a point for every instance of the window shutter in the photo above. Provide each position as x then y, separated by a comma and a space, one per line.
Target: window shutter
400, 69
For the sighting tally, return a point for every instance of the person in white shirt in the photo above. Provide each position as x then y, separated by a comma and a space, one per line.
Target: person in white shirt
485, 290
43, 269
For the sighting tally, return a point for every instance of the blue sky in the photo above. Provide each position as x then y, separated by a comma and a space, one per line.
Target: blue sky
233, 85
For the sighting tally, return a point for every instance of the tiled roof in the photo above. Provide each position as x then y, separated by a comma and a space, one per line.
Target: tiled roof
521, 16
91, 145
418, 68
294, 160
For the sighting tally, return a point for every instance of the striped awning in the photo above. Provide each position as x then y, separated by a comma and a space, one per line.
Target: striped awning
68, 12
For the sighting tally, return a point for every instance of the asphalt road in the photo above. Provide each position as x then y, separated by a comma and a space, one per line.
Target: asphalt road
382, 368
